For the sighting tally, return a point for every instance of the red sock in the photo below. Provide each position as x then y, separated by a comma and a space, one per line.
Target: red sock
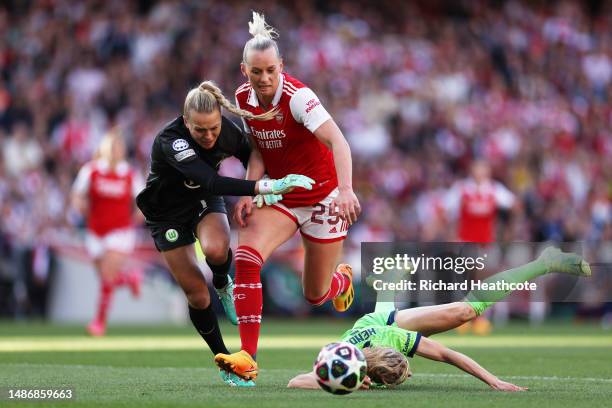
339, 284
247, 296
121, 279
106, 294
131, 278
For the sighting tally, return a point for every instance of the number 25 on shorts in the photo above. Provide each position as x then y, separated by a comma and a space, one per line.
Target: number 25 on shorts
333, 217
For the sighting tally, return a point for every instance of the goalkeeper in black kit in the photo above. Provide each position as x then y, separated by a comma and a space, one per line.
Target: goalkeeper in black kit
183, 200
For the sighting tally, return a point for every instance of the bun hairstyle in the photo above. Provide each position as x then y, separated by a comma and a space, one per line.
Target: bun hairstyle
207, 98
264, 36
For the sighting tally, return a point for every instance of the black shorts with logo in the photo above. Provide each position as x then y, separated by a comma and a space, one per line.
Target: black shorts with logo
173, 234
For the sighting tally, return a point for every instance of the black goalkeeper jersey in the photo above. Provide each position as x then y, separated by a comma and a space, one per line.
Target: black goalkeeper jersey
183, 173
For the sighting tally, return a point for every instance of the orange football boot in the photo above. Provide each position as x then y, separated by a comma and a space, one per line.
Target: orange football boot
343, 301
240, 363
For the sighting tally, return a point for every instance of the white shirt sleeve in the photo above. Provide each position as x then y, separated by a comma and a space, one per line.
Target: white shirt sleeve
452, 201
137, 183
81, 184
307, 109
504, 198
247, 128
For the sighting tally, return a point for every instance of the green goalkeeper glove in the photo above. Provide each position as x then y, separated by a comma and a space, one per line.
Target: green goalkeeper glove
267, 199
285, 185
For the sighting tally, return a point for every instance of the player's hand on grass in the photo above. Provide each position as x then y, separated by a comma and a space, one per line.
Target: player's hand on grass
366, 383
284, 185
242, 210
500, 385
267, 199
347, 205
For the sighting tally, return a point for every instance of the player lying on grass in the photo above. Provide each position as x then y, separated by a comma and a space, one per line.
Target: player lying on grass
387, 337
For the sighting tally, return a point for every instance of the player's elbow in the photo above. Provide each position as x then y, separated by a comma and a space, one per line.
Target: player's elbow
339, 142
447, 355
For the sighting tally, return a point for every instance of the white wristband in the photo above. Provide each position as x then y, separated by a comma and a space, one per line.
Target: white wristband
265, 186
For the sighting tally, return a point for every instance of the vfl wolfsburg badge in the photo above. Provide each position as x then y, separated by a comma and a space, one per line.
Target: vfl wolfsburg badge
172, 235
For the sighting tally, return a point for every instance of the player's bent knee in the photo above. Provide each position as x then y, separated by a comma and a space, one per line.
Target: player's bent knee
216, 255
216, 252
198, 299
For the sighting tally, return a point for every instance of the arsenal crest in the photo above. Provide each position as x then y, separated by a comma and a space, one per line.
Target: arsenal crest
279, 117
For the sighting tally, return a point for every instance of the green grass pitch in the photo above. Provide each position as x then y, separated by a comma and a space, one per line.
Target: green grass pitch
563, 365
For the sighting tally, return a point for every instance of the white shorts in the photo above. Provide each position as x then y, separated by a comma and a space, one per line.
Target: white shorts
318, 222
120, 240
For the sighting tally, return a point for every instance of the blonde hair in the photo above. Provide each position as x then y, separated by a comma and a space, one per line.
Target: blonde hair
207, 97
263, 36
386, 366
105, 148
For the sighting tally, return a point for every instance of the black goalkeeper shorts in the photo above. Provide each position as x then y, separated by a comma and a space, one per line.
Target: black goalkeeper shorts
173, 234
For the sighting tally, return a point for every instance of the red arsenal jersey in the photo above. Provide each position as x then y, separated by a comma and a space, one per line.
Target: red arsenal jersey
287, 143
111, 194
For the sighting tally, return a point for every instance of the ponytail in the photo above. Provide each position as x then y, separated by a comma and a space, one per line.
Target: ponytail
207, 97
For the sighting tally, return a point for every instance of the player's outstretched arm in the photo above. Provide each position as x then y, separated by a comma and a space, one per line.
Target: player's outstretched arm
308, 381
435, 351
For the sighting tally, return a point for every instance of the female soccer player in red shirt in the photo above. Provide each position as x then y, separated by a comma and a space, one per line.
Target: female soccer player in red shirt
302, 139
104, 193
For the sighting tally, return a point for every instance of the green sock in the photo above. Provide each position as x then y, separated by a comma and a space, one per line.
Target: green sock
480, 300
385, 300
384, 307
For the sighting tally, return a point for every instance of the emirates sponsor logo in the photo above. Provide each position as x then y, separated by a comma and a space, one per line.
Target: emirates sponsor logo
111, 187
269, 134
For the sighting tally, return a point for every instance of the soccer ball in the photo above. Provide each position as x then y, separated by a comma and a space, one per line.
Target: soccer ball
340, 368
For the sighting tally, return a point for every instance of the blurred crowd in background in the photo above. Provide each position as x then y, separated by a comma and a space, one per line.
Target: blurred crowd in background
420, 89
